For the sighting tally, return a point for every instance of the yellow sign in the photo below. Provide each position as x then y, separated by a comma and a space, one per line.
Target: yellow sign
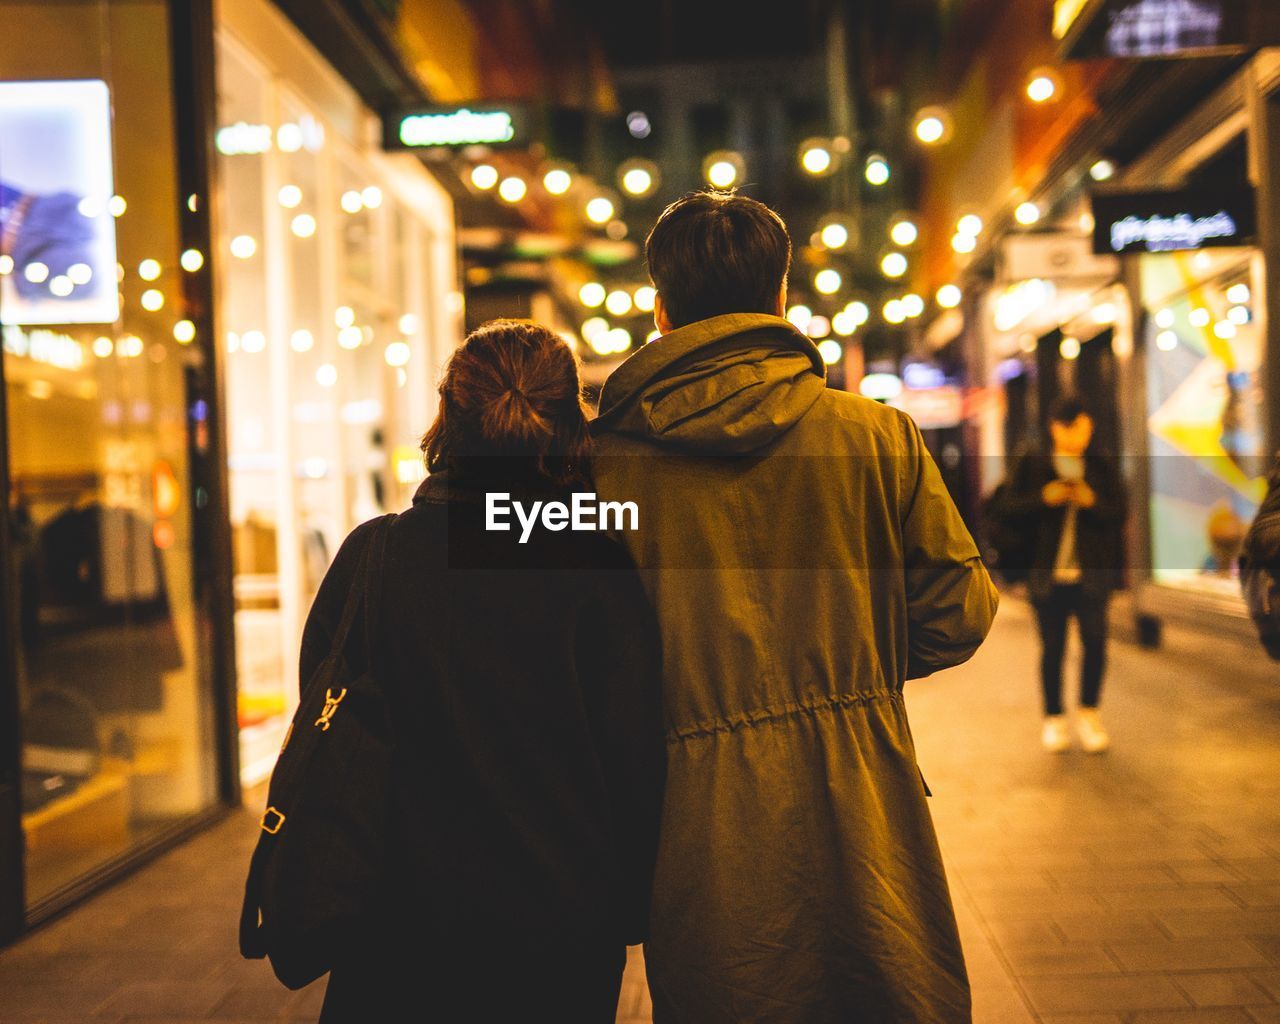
1065, 13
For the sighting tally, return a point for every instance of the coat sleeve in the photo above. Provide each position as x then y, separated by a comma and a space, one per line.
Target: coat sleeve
1024, 496
1262, 542
951, 601
620, 664
1111, 504
330, 599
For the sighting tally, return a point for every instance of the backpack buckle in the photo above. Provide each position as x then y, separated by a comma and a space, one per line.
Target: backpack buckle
330, 706
274, 826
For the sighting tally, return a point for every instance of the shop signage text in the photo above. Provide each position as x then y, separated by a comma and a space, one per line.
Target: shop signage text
1163, 28
244, 139
445, 127
1172, 221
49, 347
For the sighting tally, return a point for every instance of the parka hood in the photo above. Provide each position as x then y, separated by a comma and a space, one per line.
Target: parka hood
727, 385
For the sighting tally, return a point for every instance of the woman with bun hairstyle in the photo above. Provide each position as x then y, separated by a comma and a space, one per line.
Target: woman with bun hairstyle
523, 683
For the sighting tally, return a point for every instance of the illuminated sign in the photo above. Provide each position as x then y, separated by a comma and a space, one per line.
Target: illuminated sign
1156, 28
445, 127
1163, 28
1065, 13
1172, 221
938, 408
57, 204
880, 387
41, 346
244, 139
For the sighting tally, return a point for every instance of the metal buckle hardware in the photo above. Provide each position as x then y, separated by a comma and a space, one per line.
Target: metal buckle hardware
274, 827
330, 706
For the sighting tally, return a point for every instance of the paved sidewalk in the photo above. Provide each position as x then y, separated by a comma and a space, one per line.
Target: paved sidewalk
1139, 887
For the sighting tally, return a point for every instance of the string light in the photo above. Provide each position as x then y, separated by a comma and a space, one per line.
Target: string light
600, 210
827, 281
513, 189
557, 181
904, 233
893, 265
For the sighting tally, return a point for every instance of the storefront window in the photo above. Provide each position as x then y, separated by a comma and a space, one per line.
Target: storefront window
1205, 414
323, 305
102, 432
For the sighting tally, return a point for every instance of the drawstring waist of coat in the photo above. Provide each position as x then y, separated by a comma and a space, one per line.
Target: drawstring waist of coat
760, 716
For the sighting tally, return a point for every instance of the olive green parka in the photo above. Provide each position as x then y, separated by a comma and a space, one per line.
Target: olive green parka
805, 560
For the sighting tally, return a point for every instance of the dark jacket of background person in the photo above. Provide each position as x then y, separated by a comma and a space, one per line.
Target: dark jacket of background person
805, 560
525, 692
1260, 566
1099, 528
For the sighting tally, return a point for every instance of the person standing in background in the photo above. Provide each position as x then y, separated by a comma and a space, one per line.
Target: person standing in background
1072, 504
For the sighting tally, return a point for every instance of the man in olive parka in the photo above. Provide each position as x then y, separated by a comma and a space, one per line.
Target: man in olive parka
805, 560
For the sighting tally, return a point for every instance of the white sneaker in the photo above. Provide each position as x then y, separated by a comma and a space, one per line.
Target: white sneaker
1093, 736
1055, 737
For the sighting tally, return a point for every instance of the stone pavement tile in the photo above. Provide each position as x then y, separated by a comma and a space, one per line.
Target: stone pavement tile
1217, 1015
1202, 872
164, 999
997, 998
306, 1003
1025, 931
23, 965
1110, 926
995, 1004
1146, 850
1218, 988
1212, 923
27, 1000
1256, 869
997, 904
1257, 894
1114, 876
1249, 847
255, 997
53, 1018
1073, 958
1086, 994
1269, 946
634, 1005
1081, 1018
1018, 880
1176, 898
1187, 955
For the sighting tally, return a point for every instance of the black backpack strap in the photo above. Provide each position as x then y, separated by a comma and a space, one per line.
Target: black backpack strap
365, 593
371, 582
355, 597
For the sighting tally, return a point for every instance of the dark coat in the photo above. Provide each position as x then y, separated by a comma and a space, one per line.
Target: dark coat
1260, 566
1099, 529
524, 686
805, 560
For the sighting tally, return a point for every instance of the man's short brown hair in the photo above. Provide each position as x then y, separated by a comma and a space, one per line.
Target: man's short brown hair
717, 252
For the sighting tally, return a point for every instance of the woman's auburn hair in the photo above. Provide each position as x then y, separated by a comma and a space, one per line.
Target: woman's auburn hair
512, 389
